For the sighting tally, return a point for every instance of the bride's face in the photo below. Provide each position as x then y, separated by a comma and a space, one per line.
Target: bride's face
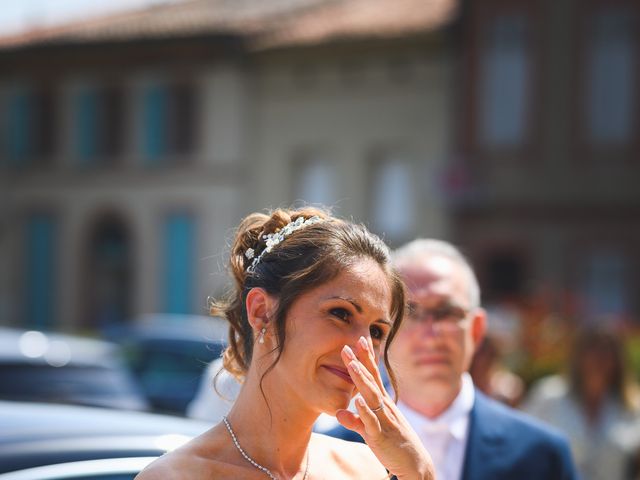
320, 323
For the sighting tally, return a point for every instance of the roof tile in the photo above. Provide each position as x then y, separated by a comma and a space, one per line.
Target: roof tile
266, 24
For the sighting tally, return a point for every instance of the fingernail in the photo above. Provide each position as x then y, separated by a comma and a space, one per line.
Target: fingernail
360, 401
354, 366
363, 343
348, 352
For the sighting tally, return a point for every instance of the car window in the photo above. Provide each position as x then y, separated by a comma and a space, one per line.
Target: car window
170, 370
164, 364
190, 356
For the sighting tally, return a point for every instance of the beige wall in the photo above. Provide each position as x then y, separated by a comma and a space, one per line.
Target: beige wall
255, 116
143, 208
208, 188
351, 107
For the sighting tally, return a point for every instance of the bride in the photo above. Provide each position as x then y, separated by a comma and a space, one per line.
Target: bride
315, 304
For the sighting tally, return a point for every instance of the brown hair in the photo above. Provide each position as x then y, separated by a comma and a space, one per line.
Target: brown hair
305, 259
603, 341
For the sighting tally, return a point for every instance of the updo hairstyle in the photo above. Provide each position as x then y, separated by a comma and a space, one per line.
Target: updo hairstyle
305, 259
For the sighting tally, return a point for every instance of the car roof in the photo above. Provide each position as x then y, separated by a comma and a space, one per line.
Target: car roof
170, 328
55, 349
81, 469
199, 326
22, 421
27, 455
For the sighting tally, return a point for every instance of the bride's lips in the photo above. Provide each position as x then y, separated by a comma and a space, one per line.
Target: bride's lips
339, 372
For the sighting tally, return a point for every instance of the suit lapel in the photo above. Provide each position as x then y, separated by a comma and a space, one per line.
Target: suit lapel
485, 441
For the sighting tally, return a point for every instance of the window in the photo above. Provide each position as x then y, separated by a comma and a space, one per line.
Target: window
393, 202
504, 275
98, 113
29, 131
606, 283
17, 140
169, 122
108, 275
179, 247
315, 179
611, 77
504, 83
40, 271
155, 132
87, 125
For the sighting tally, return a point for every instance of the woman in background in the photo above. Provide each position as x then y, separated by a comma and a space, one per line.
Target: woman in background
596, 406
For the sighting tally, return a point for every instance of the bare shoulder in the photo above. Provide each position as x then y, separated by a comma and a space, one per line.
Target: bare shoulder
347, 459
166, 466
185, 462
203, 457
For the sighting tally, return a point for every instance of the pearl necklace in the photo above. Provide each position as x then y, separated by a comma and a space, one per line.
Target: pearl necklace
251, 460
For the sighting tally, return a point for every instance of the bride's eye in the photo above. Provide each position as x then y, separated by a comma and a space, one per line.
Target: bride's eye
341, 313
376, 332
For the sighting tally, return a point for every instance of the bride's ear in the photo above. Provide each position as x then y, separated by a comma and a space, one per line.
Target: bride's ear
260, 306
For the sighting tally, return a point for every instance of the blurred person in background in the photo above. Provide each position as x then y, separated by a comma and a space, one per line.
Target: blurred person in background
596, 405
469, 435
491, 377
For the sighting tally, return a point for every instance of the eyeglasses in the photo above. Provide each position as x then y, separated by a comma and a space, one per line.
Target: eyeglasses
445, 318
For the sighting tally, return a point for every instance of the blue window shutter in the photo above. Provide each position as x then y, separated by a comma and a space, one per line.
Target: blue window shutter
40, 284
86, 126
155, 114
19, 123
179, 254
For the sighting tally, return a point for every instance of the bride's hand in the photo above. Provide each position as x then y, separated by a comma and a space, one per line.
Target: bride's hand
379, 421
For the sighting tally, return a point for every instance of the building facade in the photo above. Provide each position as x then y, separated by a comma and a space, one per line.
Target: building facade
547, 143
131, 146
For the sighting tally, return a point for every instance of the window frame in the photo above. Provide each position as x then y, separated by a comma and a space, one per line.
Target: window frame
585, 150
472, 145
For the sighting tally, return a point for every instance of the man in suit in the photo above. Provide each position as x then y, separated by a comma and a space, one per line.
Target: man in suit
469, 436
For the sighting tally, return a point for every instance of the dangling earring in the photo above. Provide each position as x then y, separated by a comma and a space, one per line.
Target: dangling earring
261, 336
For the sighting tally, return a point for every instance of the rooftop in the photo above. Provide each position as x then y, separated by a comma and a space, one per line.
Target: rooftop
264, 24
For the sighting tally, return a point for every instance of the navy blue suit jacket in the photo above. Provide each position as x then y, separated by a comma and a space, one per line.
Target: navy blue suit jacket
506, 444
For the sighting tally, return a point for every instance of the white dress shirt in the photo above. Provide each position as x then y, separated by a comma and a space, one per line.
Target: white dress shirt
445, 436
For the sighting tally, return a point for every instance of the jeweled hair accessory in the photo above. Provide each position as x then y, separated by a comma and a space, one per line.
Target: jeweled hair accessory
273, 239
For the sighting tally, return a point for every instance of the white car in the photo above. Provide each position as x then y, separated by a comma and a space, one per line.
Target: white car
105, 469
49, 441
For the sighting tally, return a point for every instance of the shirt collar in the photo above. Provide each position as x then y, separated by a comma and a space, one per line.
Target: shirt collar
454, 418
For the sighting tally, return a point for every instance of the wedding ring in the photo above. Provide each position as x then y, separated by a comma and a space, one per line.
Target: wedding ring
378, 408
